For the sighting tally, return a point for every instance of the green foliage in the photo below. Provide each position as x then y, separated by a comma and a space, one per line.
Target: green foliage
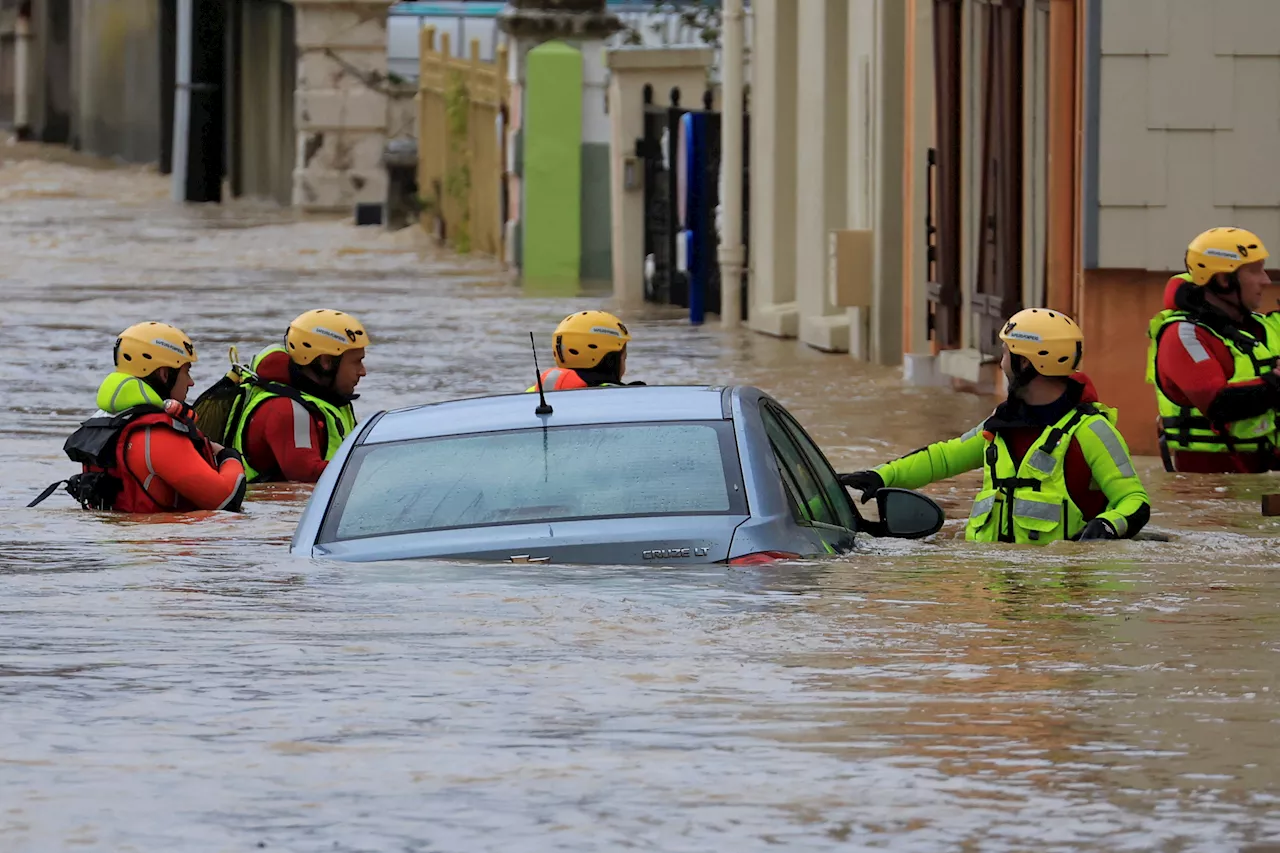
457, 179
457, 106
457, 185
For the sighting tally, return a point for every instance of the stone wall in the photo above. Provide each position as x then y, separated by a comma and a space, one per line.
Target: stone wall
341, 103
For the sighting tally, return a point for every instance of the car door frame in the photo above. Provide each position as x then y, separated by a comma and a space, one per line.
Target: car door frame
839, 496
836, 538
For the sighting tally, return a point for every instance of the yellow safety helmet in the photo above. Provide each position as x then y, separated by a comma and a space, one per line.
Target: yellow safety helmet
1050, 340
323, 331
1222, 250
143, 348
583, 339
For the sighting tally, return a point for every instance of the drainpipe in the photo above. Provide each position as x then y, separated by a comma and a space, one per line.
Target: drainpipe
21, 75
731, 121
182, 102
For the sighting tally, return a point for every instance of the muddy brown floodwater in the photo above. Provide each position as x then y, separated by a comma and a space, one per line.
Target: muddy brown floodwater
187, 685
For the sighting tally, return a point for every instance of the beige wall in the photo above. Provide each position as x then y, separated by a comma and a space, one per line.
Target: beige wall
822, 105
772, 260
860, 140
813, 166
1189, 125
862, 103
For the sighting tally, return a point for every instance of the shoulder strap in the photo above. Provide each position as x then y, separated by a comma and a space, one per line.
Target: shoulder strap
1218, 325
282, 390
1058, 433
94, 441
53, 487
278, 389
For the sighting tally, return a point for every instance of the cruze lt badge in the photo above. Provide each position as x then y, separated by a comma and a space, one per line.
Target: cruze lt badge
670, 553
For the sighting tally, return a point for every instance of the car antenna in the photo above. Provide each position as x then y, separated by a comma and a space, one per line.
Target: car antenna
543, 408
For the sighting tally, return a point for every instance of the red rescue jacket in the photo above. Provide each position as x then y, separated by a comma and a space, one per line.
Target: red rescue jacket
156, 463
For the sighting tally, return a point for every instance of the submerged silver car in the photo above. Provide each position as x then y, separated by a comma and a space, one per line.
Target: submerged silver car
630, 475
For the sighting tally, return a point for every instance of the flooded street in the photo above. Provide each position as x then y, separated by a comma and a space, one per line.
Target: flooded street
187, 685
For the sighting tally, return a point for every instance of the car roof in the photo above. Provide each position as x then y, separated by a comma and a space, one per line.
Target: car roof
625, 404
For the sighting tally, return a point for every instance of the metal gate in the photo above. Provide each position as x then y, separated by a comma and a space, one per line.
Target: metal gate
665, 282
711, 188
662, 282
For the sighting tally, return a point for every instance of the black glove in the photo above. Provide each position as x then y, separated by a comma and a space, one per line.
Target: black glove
868, 482
1099, 528
237, 500
236, 504
228, 453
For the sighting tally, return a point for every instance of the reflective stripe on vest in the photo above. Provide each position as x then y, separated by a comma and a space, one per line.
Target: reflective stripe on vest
1030, 503
1184, 428
564, 379
1031, 509
120, 392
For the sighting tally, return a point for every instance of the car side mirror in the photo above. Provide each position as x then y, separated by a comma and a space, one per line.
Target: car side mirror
905, 514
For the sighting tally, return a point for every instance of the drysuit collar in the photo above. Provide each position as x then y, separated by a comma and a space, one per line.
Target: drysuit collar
604, 373
1014, 412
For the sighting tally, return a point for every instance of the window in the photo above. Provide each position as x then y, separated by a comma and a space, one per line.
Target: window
797, 472
836, 495
792, 488
534, 475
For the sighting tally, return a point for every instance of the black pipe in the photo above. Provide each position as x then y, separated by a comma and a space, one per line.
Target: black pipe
205, 143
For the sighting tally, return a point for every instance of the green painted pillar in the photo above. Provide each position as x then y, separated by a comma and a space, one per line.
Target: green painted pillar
552, 192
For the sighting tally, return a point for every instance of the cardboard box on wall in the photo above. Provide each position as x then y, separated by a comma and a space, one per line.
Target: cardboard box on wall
849, 258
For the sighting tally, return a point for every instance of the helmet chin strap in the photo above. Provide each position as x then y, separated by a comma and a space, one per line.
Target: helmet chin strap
321, 379
163, 388
1023, 373
328, 375
611, 365
1230, 293
316, 374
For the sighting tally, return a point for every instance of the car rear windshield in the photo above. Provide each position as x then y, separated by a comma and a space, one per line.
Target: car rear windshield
536, 475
